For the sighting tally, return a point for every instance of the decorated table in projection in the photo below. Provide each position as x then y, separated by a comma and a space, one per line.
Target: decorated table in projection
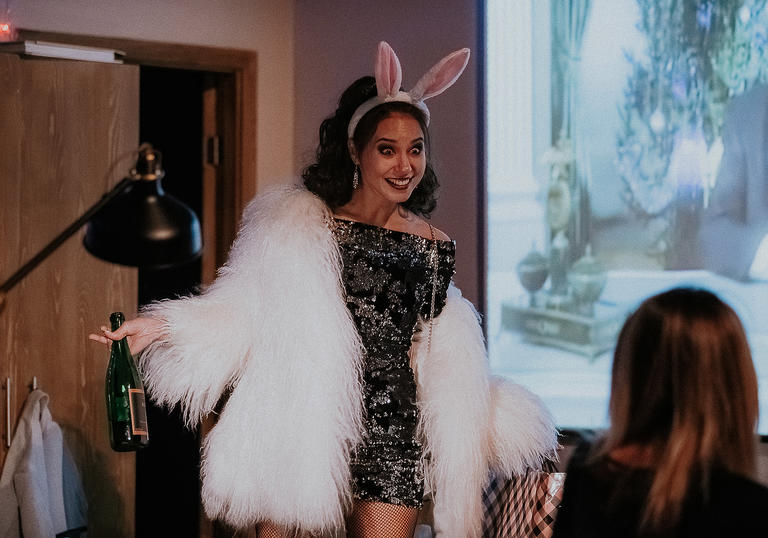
566, 358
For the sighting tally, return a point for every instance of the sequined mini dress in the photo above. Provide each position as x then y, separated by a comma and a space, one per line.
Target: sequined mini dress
388, 276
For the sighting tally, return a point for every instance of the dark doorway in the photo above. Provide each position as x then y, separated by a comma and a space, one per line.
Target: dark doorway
167, 472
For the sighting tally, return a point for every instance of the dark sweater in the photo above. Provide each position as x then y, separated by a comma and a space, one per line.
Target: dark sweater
606, 499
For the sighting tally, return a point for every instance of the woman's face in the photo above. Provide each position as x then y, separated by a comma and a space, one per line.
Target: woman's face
393, 162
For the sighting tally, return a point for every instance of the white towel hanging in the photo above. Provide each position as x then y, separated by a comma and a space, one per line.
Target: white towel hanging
32, 485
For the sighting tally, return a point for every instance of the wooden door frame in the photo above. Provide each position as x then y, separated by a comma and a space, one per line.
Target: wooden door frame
238, 62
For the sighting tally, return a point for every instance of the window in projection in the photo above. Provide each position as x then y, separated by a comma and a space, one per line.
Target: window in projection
627, 153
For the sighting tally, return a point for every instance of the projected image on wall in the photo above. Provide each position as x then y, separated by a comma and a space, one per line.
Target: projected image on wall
627, 154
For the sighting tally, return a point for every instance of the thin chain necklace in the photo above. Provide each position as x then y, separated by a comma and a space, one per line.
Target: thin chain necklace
434, 261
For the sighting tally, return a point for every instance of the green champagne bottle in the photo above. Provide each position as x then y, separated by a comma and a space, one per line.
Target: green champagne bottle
126, 406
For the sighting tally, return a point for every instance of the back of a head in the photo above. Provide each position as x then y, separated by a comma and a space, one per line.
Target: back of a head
682, 361
684, 385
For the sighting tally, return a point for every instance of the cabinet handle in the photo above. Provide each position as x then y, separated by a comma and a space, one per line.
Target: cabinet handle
8, 412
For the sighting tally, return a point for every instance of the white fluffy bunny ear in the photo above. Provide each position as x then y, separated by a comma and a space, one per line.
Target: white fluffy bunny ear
441, 76
389, 74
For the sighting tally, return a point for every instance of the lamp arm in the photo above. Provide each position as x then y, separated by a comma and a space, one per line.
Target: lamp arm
48, 249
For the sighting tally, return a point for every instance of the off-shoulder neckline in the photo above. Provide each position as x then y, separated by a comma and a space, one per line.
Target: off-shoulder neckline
390, 230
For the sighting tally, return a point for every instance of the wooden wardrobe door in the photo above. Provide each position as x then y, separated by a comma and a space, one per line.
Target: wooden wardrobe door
67, 130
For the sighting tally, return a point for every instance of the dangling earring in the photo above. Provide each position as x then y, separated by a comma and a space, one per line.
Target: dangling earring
356, 178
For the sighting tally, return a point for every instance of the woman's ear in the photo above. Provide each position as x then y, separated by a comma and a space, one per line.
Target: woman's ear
352, 151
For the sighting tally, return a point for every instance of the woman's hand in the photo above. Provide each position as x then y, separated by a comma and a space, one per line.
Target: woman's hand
140, 332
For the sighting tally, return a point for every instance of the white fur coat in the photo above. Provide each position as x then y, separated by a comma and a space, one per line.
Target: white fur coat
274, 328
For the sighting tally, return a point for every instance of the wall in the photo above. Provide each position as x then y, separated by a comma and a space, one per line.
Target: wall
264, 26
335, 44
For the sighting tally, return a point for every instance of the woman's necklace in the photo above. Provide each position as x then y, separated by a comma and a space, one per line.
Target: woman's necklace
433, 260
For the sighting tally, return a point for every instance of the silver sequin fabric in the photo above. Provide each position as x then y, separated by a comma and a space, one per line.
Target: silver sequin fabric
389, 283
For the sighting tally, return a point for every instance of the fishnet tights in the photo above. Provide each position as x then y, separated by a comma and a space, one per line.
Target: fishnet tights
270, 530
380, 520
367, 520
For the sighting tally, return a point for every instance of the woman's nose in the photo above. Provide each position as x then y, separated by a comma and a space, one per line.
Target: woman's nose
404, 163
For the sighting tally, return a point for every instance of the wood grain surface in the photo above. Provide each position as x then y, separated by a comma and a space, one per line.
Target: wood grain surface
66, 136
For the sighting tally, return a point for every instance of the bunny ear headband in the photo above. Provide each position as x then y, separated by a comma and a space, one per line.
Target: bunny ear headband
389, 75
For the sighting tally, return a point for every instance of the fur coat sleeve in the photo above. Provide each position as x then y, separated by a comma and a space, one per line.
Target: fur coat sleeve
274, 330
472, 422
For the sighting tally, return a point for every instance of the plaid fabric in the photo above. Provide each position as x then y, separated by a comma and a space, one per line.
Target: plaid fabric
523, 506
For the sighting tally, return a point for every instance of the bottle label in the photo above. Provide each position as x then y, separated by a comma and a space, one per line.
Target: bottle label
138, 412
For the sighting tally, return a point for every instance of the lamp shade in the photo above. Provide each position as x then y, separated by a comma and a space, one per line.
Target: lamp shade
144, 226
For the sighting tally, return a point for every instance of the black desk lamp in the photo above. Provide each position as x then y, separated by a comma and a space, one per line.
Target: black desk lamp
134, 224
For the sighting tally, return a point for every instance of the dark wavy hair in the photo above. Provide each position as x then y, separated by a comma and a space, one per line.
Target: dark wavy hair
330, 176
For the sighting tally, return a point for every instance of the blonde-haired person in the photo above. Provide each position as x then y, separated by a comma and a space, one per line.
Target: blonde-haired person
678, 454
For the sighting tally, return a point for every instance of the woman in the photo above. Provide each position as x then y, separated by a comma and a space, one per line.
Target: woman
681, 445
357, 372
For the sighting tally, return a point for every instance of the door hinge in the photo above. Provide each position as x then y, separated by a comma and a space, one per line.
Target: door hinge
212, 150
